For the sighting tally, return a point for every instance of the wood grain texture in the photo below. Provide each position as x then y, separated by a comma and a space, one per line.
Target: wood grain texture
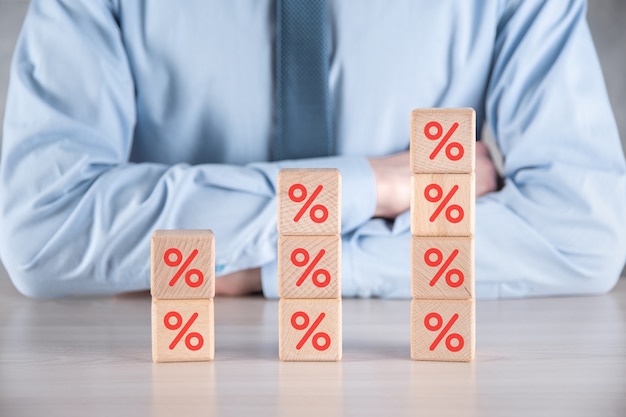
309, 266
305, 313
90, 356
165, 347
293, 217
442, 267
430, 155
429, 218
187, 242
425, 345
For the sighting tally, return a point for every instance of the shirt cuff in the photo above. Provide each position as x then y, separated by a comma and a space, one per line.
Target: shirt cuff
269, 279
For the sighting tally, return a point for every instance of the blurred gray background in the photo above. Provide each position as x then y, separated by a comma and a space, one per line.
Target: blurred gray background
607, 19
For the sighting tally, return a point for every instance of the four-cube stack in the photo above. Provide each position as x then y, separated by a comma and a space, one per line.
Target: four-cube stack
182, 288
442, 225
309, 264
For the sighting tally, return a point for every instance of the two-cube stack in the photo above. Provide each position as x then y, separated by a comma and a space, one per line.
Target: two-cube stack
309, 264
442, 225
182, 288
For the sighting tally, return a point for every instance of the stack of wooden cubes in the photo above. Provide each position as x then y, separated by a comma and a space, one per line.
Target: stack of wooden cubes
442, 224
309, 264
182, 288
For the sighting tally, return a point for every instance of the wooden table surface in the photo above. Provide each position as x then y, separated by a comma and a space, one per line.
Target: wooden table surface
91, 357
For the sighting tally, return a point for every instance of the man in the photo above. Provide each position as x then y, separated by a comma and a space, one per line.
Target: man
126, 117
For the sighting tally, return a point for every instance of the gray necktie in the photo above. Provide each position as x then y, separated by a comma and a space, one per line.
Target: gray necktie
303, 113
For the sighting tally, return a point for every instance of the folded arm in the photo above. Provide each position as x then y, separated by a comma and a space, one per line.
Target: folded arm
557, 226
76, 215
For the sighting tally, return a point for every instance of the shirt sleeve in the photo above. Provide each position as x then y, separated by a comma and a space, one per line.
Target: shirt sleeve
76, 215
558, 225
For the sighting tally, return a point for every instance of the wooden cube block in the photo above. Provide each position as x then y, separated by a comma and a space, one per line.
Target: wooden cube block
183, 264
309, 266
443, 140
442, 204
309, 330
442, 330
442, 267
182, 330
309, 202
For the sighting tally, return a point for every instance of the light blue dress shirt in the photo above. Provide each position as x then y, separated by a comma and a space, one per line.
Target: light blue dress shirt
126, 117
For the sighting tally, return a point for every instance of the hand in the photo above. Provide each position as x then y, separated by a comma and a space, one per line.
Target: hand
486, 174
393, 180
239, 283
393, 184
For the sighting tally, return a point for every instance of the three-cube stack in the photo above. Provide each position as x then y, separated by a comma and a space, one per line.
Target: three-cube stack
309, 264
442, 225
182, 288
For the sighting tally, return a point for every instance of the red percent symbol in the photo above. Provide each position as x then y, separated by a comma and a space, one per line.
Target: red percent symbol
434, 194
437, 134
451, 337
298, 193
177, 324
433, 258
300, 257
300, 321
174, 257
